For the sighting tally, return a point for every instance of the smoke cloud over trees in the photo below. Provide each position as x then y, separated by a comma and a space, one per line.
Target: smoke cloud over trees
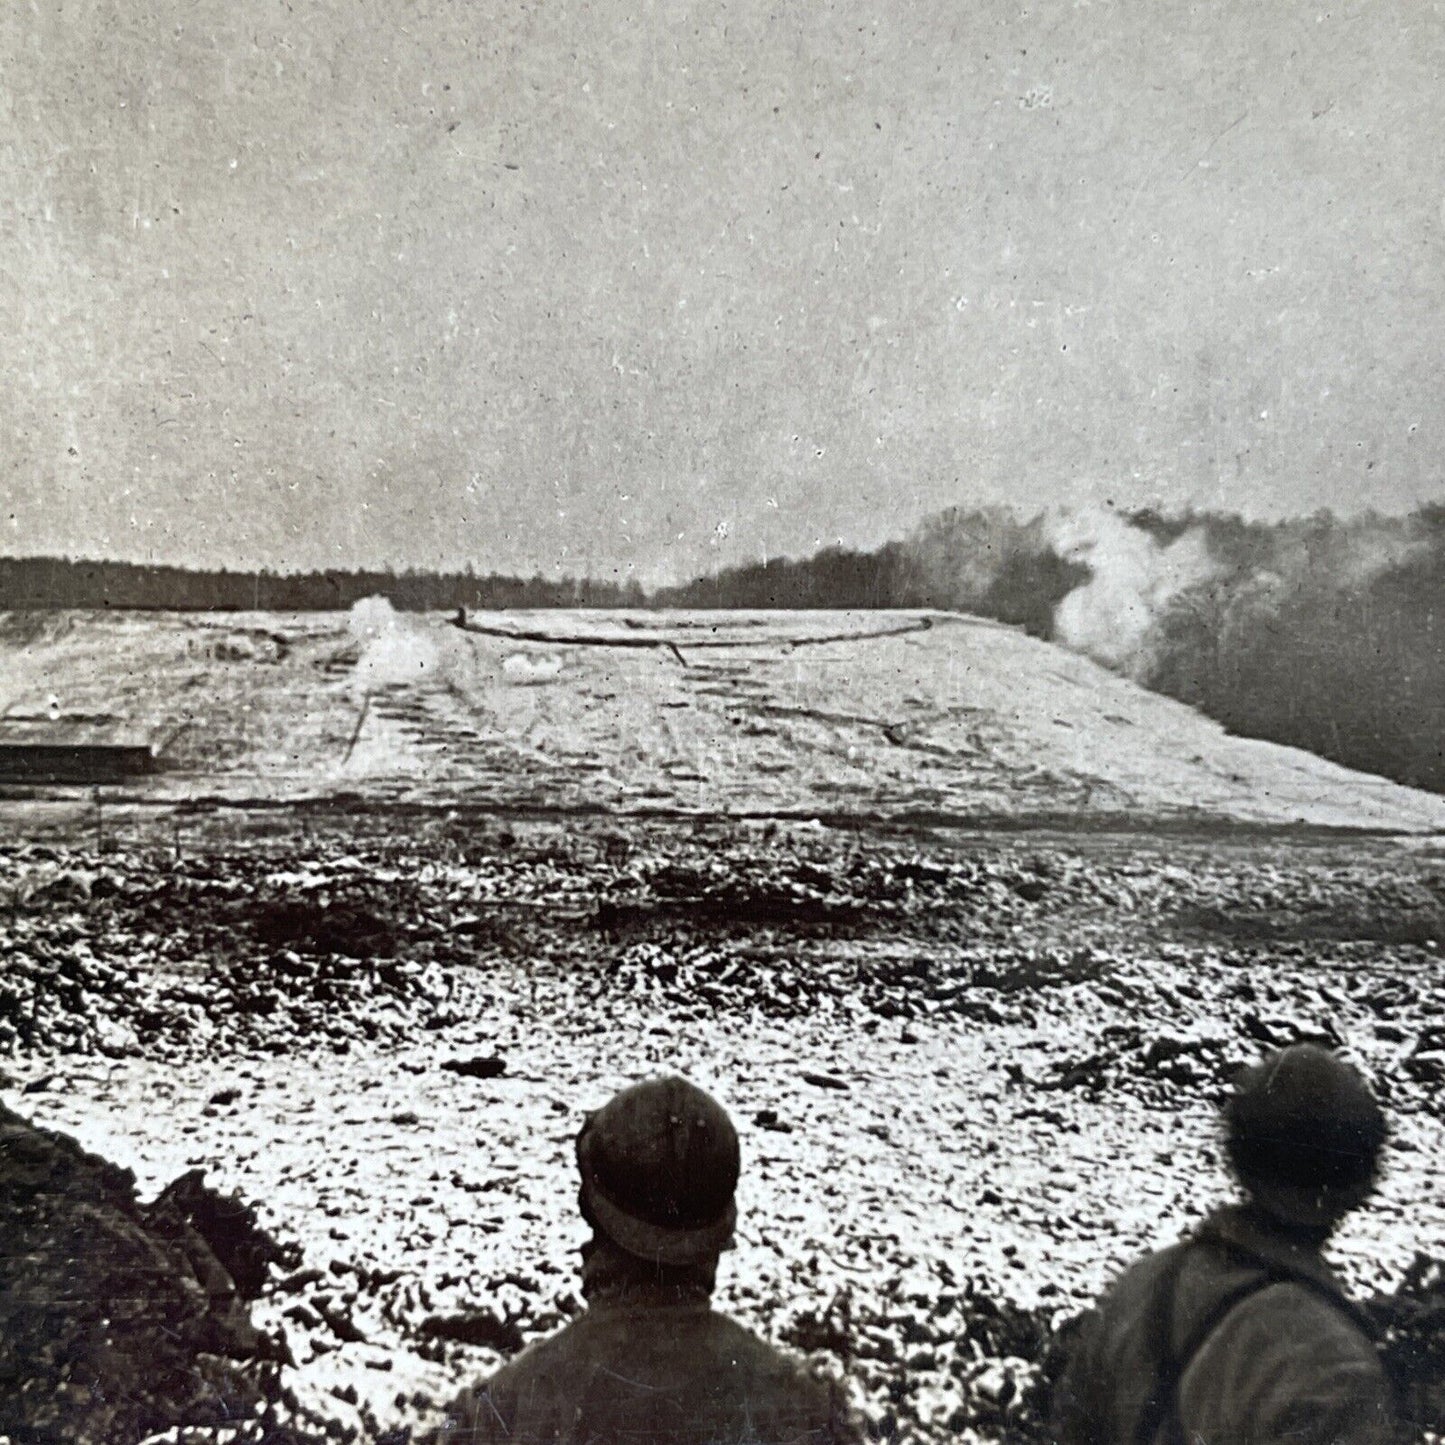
1324, 634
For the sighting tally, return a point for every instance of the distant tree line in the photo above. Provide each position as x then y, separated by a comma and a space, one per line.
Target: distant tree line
984, 561
28, 583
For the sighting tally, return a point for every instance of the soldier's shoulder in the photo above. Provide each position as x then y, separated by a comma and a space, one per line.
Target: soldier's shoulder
551, 1352
1139, 1280
809, 1397
1290, 1356
486, 1410
751, 1352
748, 1344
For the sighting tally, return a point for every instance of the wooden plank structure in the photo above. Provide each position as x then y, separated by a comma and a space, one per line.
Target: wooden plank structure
73, 750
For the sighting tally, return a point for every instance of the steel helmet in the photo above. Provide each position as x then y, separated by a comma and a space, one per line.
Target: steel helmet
659, 1165
1304, 1134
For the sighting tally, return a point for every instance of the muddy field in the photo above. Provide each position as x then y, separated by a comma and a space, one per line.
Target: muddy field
973, 1073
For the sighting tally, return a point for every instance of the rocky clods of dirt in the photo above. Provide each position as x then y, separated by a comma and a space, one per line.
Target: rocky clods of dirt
120, 1319
1411, 1323
1001, 1361
1120, 985
138, 952
120, 956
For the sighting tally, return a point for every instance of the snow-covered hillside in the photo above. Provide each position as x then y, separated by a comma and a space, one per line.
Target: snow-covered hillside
856, 715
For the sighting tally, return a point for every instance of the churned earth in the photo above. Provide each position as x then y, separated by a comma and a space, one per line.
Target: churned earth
974, 1072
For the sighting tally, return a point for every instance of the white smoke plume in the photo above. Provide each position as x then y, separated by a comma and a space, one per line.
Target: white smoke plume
527, 670
1134, 578
393, 652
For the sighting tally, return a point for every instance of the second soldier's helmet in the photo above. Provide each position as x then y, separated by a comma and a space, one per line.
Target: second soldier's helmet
659, 1165
1304, 1134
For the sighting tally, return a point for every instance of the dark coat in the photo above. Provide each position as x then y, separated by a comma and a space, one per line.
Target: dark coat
1275, 1351
656, 1372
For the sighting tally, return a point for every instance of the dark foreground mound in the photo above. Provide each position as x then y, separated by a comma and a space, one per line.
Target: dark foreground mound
120, 1319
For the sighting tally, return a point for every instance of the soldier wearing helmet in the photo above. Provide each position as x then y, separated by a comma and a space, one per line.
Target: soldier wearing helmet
1241, 1332
649, 1360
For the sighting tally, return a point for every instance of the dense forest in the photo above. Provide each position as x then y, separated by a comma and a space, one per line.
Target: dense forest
44, 582
985, 561
1320, 632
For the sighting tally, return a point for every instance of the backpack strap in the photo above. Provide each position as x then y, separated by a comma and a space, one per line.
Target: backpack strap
1171, 1365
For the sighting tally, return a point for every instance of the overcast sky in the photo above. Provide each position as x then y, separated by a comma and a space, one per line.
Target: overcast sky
670, 286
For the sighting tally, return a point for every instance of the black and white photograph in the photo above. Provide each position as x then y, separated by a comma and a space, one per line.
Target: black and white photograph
722, 724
